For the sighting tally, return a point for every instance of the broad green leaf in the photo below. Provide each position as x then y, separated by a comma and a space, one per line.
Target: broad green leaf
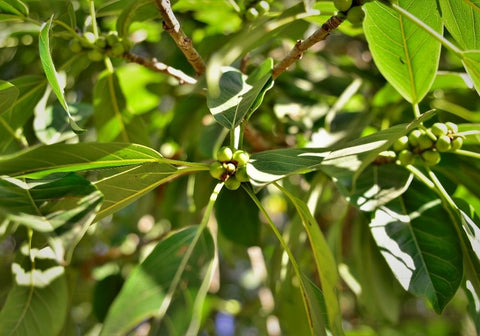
38, 302
135, 10
145, 291
43, 160
8, 95
420, 245
104, 293
238, 94
113, 119
462, 19
406, 55
471, 62
237, 217
128, 184
15, 7
50, 72
473, 303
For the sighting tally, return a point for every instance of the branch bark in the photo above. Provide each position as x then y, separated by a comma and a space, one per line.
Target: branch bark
172, 26
301, 46
157, 66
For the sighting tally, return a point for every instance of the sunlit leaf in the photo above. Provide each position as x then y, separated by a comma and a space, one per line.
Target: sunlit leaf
406, 55
8, 94
135, 10
471, 62
15, 7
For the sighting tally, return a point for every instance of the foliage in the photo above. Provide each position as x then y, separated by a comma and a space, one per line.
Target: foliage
239, 167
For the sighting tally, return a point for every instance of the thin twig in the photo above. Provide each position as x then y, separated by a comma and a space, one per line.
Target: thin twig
160, 67
172, 26
297, 51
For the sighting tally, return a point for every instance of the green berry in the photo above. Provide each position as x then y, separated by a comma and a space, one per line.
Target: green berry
439, 129
413, 137
95, 55
405, 157
101, 42
76, 46
251, 14
118, 49
262, 7
240, 157
452, 127
89, 39
431, 157
424, 141
401, 143
356, 15
224, 154
112, 38
216, 170
230, 167
232, 183
457, 143
443, 144
342, 5
241, 174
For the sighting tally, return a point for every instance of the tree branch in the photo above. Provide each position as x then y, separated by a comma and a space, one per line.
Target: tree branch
157, 66
172, 26
297, 51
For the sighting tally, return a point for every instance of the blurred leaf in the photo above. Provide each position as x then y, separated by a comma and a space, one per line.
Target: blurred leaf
8, 95
462, 19
473, 304
420, 245
104, 293
135, 10
126, 185
238, 94
43, 160
15, 7
51, 73
238, 217
308, 4
37, 304
144, 294
471, 62
406, 55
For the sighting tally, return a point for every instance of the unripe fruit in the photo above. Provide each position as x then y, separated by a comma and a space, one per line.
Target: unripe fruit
217, 170
118, 49
89, 39
356, 15
95, 55
439, 129
452, 127
431, 157
224, 154
101, 42
443, 144
457, 143
424, 141
112, 38
405, 157
251, 14
413, 137
401, 143
75, 46
241, 174
232, 183
229, 167
240, 157
262, 7
342, 5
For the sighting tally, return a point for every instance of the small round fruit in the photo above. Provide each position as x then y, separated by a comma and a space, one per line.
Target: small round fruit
112, 38
424, 141
401, 143
118, 49
443, 144
457, 143
75, 46
405, 157
262, 7
240, 157
101, 42
251, 14
439, 129
431, 157
89, 39
452, 127
230, 167
342, 5
356, 15
224, 154
217, 170
232, 183
413, 137
241, 174
95, 55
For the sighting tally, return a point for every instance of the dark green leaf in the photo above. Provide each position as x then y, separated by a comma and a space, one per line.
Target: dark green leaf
104, 293
8, 95
144, 294
51, 73
15, 7
406, 55
420, 244
37, 304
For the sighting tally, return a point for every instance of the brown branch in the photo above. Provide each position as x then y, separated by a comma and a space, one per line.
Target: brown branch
297, 51
157, 66
172, 26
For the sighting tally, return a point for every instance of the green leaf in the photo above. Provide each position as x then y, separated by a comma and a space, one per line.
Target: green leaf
128, 184
238, 218
420, 245
145, 292
471, 62
462, 19
8, 95
38, 302
406, 55
135, 10
239, 94
15, 7
50, 72
43, 160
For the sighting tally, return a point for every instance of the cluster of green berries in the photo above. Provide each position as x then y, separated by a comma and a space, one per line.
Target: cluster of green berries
428, 143
256, 10
352, 9
230, 167
97, 47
